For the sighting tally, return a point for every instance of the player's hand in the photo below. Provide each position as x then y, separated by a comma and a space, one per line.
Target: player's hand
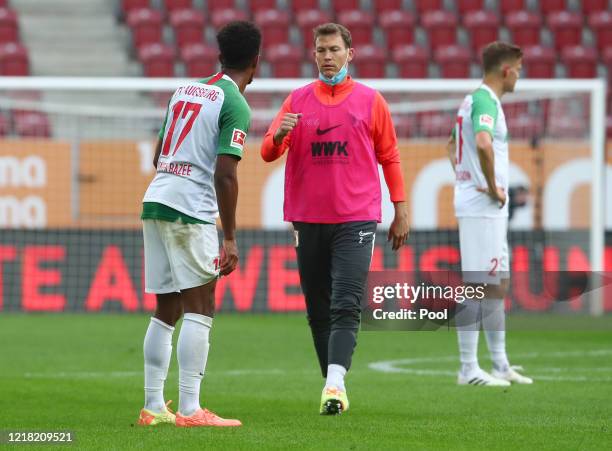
499, 195
229, 257
288, 123
399, 230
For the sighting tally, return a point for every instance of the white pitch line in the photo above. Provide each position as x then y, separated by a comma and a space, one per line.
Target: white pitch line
399, 366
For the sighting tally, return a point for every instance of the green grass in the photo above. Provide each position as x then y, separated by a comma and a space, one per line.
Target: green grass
82, 373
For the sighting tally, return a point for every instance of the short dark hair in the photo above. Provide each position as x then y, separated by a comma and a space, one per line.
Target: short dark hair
498, 52
239, 44
333, 28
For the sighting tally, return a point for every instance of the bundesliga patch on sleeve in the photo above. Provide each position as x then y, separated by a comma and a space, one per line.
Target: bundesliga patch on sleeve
486, 120
238, 138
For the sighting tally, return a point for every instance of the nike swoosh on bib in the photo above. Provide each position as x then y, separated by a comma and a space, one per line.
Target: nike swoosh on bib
325, 130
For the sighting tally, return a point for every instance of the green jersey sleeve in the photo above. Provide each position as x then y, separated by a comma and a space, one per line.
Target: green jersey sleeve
234, 123
162, 130
484, 112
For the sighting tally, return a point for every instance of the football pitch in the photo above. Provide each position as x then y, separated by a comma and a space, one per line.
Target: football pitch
83, 373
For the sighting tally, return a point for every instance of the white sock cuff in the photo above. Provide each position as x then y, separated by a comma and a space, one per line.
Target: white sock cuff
334, 368
200, 319
162, 324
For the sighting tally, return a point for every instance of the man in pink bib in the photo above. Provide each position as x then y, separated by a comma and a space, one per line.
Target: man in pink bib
336, 132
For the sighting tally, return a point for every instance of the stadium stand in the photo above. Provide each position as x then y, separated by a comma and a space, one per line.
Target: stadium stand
412, 61
398, 26
441, 27
524, 27
483, 27
361, 24
454, 61
410, 39
188, 26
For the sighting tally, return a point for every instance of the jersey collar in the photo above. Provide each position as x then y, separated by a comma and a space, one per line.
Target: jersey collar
339, 89
486, 88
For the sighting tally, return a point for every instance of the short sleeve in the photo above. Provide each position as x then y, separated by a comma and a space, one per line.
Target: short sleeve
484, 112
234, 122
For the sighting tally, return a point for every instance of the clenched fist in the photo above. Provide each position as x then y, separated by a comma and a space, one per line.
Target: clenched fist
288, 123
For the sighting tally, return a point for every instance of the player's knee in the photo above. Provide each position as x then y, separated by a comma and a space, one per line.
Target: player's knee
345, 318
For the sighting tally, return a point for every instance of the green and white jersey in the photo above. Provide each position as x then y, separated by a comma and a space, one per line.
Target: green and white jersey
204, 119
480, 111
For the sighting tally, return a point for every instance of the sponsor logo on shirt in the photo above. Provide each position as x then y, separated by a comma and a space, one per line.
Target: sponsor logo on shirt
324, 152
238, 138
486, 120
325, 130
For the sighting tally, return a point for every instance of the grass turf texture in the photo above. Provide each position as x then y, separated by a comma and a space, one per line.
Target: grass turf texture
83, 373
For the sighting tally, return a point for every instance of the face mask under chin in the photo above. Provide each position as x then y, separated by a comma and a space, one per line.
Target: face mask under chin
338, 78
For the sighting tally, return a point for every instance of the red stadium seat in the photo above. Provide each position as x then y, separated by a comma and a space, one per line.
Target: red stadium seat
424, 6
483, 27
188, 26
539, 61
606, 58
200, 60
466, 6
411, 60
609, 127
274, 26
510, 6
399, 26
405, 125
308, 19
130, 5
14, 60
566, 27
454, 61
436, 124
146, 26
370, 61
525, 27
303, 5
175, 5
601, 24
580, 62
551, 6
213, 5
33, 124
594, 6
441, 27
222, 17
5, 125
285, 60
261, 5
388, 5
525, 126
345, 5
157, 60
360, 23
9, 27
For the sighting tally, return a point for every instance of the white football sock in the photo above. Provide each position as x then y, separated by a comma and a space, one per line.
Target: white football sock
467, 321
335, 376
192, 351
157, 352
493, 323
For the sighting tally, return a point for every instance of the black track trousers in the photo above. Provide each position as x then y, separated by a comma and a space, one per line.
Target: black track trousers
333, 262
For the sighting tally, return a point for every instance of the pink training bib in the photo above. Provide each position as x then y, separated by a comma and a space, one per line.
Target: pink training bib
331, 175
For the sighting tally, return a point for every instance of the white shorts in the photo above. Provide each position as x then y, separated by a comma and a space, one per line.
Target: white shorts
484, 249
179, 256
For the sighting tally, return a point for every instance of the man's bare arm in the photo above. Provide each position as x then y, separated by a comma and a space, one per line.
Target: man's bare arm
484, 145
226, 187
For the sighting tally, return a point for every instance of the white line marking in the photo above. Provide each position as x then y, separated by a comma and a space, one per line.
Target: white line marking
400, 366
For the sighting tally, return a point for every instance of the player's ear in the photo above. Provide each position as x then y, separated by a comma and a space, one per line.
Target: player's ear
351, 54
505, 71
